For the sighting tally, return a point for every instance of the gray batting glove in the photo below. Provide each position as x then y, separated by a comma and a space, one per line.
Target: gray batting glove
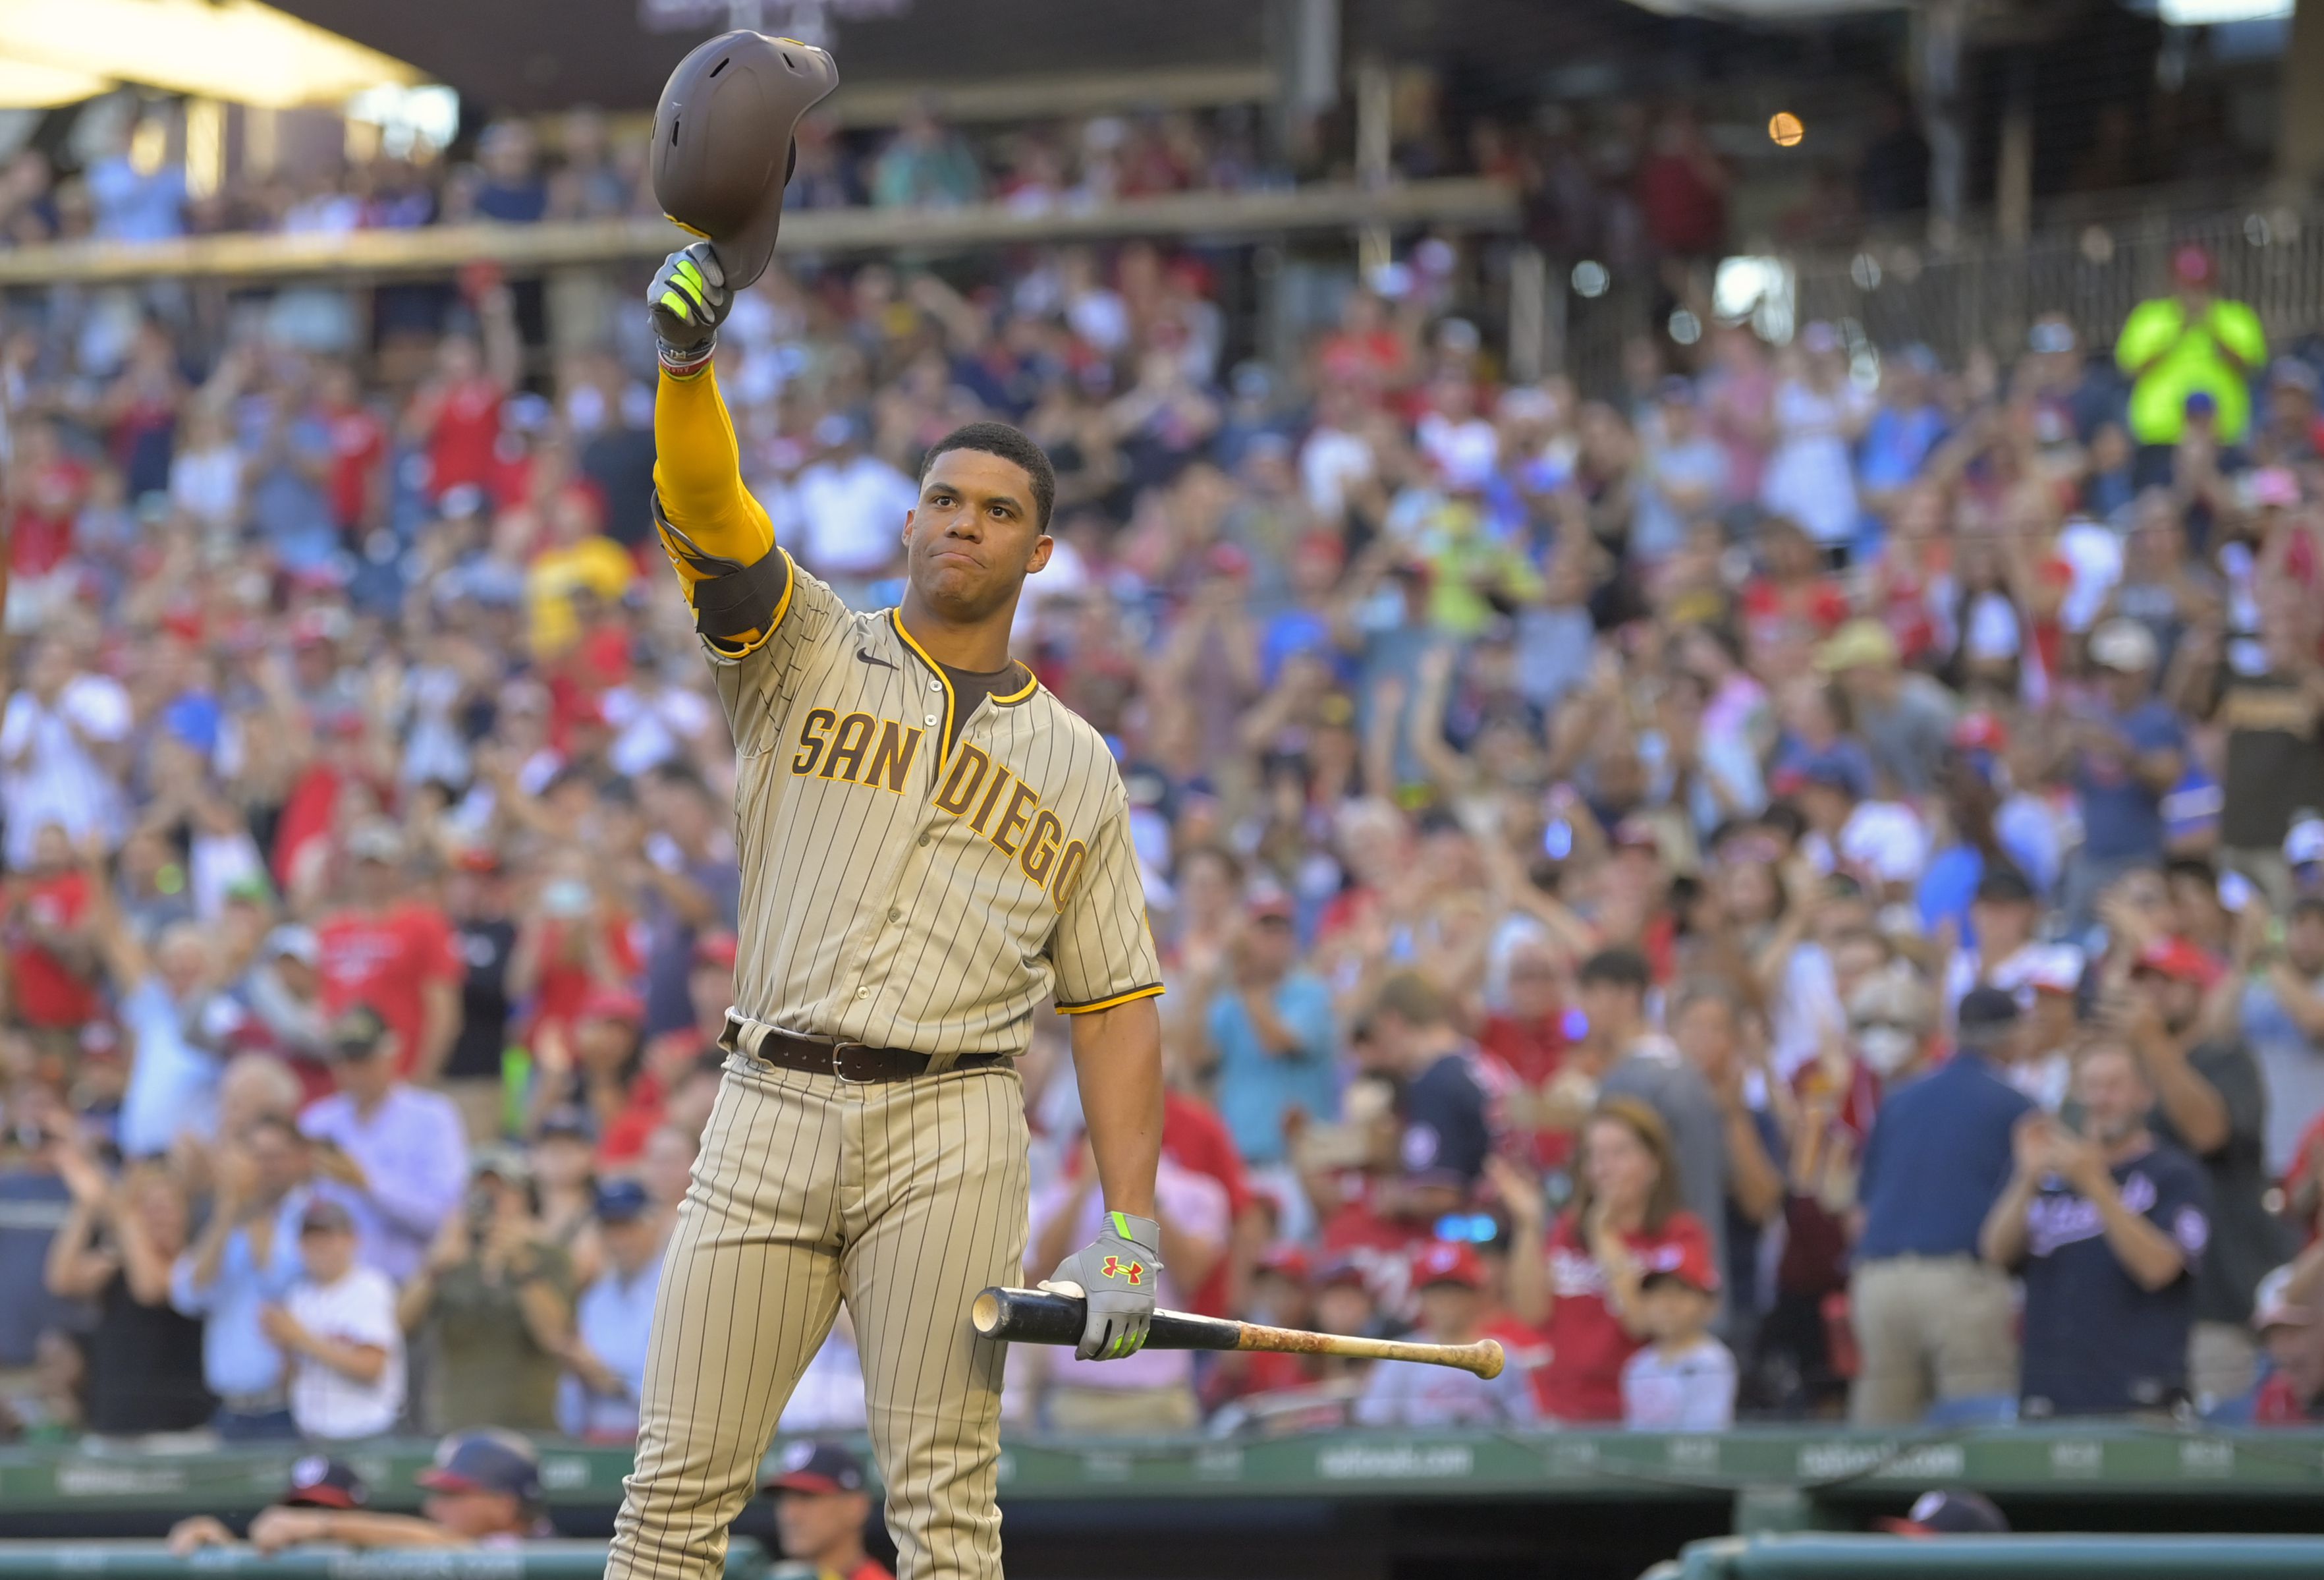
1116, 1274
688, 300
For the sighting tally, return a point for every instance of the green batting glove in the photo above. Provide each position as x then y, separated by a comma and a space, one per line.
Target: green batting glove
1116, 1274
688, 300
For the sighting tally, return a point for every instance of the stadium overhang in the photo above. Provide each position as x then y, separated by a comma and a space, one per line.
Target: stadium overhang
237, 50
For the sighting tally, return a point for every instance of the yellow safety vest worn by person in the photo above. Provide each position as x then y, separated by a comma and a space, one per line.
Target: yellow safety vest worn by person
2173, 354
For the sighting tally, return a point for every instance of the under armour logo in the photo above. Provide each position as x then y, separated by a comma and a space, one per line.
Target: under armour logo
869, 659
1115, 1268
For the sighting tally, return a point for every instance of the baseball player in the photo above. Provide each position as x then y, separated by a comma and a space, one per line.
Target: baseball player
931, 845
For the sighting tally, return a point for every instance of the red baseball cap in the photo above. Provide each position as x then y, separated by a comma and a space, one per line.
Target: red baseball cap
2181, 961
1286, 1261
612, 1003
1448, 1261
714, 949
1688, 1261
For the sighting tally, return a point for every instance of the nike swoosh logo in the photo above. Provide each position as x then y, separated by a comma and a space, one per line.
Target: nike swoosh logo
868, 659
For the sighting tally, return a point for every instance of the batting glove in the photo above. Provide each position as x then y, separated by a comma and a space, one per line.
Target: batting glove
1116, 1275
688, 300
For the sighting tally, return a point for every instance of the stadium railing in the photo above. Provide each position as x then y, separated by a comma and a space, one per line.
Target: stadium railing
1986, 292
151, 1560
1990, 1557
1462, 203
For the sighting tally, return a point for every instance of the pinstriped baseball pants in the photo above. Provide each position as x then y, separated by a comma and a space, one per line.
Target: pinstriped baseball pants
903, 1198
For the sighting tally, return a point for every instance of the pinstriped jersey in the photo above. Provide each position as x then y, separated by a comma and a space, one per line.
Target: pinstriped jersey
905, 889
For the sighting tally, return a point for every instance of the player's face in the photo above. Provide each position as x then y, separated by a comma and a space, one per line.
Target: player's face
974, 536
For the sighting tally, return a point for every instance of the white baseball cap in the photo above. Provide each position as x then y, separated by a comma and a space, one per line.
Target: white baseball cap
2126, 646
2303, 843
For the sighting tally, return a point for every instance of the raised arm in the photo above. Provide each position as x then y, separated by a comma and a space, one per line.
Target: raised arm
720, 539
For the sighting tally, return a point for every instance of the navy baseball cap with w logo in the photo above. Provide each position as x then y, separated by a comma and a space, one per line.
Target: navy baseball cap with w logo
817, 1468
318, 1482
485, 1461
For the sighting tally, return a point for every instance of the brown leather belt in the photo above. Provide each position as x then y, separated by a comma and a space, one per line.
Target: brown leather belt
853, 1062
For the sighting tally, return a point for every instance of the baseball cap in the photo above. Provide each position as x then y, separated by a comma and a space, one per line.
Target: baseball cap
1986, 1008
325, 1216
1860, 644
817, 1469
488, 1460
1675, 390
1635, 833
622, 1201
319, 1481
715, 949
1268, 905
2180, 960
1981, 730
1948, 1513
1343, 1269
1448, 1261
2056, 969
2125, 645
2289, 373
570, 1120
500, 1159
357, 1032
1687, 1262
2276, 486
2272, 1305
2003, 885
1287, 1261
2192, 265
612, 1003
2202, 403
294, 942
2303, 842
377, 840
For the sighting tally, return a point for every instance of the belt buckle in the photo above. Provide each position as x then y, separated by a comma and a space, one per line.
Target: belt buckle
839, 1048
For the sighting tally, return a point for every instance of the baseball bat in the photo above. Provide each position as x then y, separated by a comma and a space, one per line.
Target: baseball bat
1037, 1317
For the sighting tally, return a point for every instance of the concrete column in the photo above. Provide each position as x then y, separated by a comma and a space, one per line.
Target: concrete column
2013, 177
2300, 144
1529, 312
1938, 31
1375, 133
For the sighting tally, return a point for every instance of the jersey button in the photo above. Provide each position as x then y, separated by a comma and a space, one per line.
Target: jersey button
930, 721
926, 838
935, 685
894, 913
863, 992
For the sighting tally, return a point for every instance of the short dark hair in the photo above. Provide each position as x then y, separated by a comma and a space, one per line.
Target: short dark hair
1616, 967
998, 439
2195, 869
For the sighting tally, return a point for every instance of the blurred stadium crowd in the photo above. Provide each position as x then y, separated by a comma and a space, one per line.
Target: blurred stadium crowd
1786, 889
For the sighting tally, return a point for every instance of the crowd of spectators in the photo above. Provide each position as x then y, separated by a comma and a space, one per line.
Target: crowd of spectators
505, 173
1718, 886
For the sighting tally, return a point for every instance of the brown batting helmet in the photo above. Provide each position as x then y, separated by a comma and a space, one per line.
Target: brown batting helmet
722, 142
